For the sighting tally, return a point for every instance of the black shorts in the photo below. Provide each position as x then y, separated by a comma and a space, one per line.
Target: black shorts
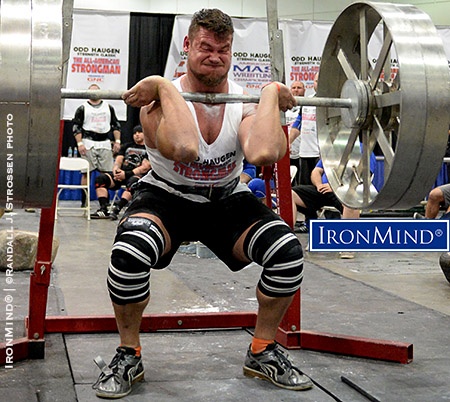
119, 183
217, 224
315, 200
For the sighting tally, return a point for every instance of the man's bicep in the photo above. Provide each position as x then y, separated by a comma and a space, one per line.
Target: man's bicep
248, 114
244, 130
249, 109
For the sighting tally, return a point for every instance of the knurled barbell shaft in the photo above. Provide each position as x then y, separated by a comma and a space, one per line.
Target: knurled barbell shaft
90, 94
207, 97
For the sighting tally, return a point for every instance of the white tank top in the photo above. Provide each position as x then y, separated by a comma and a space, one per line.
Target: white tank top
97, 118
291, 116
218, 163
309, 145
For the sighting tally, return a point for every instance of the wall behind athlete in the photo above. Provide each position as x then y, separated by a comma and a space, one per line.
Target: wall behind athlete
315, 10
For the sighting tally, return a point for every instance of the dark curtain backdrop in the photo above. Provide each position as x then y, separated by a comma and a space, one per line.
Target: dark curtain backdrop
150, 37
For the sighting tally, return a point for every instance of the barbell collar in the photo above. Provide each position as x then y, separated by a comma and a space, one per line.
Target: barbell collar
210, 98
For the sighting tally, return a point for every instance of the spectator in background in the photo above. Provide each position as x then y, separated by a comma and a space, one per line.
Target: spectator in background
309, 144
297, 89
309, 198
439, 196
248, 172
130, 165
258, 187
94, 122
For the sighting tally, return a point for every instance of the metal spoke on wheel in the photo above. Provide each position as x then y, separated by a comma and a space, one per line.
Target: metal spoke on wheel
363, 43
383, 61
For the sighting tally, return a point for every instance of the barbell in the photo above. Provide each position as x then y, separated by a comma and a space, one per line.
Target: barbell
210, 98
404, 113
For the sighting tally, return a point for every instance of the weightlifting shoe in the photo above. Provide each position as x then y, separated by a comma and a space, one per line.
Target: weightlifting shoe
301, 229
274, 365
100, 214
116, 380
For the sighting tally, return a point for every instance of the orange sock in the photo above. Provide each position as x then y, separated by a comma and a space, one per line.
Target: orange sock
137, 350
258, 345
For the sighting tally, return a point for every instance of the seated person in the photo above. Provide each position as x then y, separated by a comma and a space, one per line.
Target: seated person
248, 172
437, 197
258, 187
130, 165
308, 198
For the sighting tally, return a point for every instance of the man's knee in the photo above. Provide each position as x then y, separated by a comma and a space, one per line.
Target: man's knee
274, 246
436, 196
131, 181
138, 245
103, 180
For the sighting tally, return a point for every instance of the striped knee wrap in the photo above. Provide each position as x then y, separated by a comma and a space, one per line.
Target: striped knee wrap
273, 245
137, 247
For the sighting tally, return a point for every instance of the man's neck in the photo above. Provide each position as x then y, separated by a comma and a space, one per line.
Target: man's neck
95, 102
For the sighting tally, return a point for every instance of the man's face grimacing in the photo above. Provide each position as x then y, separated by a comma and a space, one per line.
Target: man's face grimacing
209, 56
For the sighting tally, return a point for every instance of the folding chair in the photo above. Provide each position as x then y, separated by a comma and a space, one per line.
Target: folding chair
74, 164
116, 197
328, 210
292, 171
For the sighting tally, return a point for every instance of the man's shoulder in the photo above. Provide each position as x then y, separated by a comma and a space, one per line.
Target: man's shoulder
177, 83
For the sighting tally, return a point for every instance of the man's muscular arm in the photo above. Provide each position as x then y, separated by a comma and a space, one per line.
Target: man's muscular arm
165, 117
316, 179
262, 137
316, 176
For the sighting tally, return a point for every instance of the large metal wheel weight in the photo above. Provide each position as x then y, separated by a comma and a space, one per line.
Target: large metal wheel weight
399, 104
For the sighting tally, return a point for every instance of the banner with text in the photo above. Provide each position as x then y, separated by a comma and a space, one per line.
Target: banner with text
303, 46
98, 55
